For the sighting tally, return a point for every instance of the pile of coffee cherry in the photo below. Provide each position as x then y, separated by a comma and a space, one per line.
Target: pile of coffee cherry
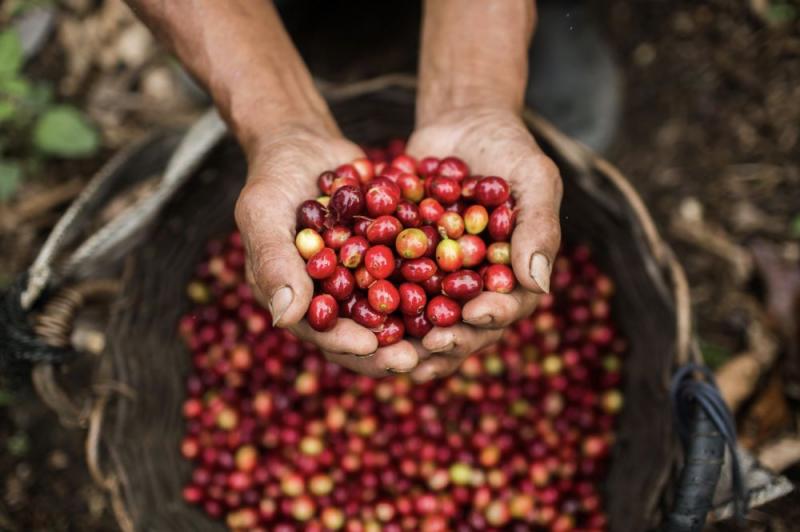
400, 245
519, 438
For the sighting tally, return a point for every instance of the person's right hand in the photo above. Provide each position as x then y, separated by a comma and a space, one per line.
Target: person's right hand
283, 171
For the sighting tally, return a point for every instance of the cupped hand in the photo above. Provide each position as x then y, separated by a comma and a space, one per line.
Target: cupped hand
495, 142
283, 171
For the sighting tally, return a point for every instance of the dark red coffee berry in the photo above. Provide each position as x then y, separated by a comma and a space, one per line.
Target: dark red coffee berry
418, 270
325, 182
417, 326
311, 214
491, 191
453, 167
462, 285
412, 298
363, 314
347, 202
443, 311
322, 264
445, 190
384, 230
322, 312
379, 261
501, 223
499, 278
340, 284
390, 332
383, 296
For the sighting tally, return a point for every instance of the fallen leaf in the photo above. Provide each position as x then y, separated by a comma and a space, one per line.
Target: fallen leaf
63, 131
10, 178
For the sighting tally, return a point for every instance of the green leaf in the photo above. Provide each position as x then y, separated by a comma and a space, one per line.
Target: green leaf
714, 355
18, 444
7, 110
40, 95
10, 178
781, 13
794, 226
63, 131
15, 87
10, 53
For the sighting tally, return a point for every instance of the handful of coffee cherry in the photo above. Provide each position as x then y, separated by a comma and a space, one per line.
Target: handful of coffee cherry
399, 247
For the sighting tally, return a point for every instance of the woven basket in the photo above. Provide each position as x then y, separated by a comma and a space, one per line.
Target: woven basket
133, 408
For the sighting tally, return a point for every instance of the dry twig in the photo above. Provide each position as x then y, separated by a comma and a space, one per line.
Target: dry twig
690, 226
39, 204
767, 417
782, 281
739, 377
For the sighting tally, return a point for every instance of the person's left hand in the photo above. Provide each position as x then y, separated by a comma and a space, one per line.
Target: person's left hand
495, 142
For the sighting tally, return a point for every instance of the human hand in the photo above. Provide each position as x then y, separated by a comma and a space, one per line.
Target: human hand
283, 172
494, 141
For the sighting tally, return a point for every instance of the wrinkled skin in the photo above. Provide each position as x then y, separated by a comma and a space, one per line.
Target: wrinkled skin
282, 174
494, 142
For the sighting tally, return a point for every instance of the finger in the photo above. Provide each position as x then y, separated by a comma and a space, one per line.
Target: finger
435, 368
396, 358
537, 235
281, 281
345, 337
491, 310
422, 353
459, 340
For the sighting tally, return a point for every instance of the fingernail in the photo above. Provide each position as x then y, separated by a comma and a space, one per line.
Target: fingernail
540, 271
397, 371
279, 303
480, 320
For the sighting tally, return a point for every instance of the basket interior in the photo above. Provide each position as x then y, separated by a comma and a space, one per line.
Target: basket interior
142, 436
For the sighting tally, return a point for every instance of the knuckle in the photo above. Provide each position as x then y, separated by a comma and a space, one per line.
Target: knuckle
269, 259
547, 167
547, 173
551, 228
246, 206
558, 188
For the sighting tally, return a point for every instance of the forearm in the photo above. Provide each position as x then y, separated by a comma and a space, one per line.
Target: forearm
474, 53
240, 51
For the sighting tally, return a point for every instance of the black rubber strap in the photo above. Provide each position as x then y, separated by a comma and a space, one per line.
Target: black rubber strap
706, 427
19, 344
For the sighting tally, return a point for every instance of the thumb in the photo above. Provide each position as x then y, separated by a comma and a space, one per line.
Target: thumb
537, 234
265, 216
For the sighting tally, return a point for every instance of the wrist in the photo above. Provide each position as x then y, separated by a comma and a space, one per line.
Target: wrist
473, 54
448, 99
267, 109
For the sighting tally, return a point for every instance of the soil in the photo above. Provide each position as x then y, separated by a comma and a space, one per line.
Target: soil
711, 115
711, 125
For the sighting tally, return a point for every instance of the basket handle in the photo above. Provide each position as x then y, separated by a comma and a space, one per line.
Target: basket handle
191, 151
18, 341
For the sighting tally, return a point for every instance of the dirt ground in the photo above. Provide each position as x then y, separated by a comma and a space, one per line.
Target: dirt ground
710, 137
